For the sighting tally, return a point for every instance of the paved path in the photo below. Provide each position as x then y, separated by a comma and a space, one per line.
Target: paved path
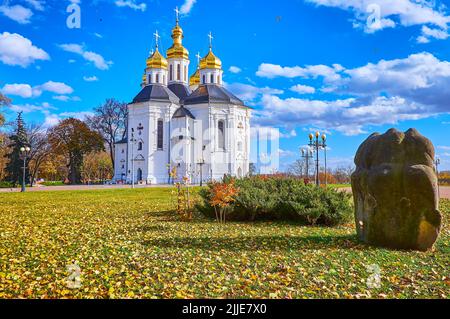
444, 191
77, 188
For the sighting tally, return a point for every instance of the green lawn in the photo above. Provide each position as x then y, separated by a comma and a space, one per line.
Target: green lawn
129, 245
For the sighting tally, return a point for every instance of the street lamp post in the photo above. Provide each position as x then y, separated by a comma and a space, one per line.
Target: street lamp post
316, 145
201, 163
437, 163
307, 154
132, 157
24, 153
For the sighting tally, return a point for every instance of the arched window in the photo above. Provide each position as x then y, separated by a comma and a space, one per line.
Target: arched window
157, 77
178, 72
218, 79
212, 78
185, 73
171, 72
221, 134
164, 79
204, 79
140, 146
160, 133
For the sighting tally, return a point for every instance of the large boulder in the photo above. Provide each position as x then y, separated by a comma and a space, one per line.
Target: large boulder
395, 191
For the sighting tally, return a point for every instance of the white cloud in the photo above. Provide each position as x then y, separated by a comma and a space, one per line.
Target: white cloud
286, 153
392, 13
271, 71
249, 93
131, 4
428, 33
187, 6
17, 13
444, 148
17, 50
290, 134
27, 91
235, 69
55, 87
36, 4
93, 57
78, 115
30, 108
90, 78
65, 98
386, 92
22, 90
303, 89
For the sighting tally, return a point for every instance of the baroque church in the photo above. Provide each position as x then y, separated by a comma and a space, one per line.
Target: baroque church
190, 124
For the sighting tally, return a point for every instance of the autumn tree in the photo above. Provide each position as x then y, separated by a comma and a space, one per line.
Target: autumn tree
97, 166
4, 150
110, 121
3, 101
40, 150
75, 139
18, 139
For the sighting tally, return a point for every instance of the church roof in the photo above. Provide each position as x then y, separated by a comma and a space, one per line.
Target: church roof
123, 141
211, 93
180, 90
156, 92
183, 112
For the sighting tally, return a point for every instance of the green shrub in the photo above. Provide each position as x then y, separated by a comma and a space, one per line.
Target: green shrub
4, 184
289, 199
56, 183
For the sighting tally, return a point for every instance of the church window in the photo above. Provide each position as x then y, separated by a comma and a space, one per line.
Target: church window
204, 79
178, 72
157, 78
160, 133
218, 79
140, 146
171, 72
185, 73
164, 79
221, 137
240, 146
212, 78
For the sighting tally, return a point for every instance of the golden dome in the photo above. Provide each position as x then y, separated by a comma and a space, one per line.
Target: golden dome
195, 78
177, 50
156, 61
210, 61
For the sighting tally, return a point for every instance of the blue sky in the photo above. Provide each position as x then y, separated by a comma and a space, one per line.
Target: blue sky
337, 66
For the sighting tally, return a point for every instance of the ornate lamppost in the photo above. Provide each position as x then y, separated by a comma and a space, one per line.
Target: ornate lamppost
437, 163
24, 154
317, 145
133, 140
201, 162
307, 155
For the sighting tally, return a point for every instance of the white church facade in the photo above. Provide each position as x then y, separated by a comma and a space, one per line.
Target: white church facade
191, 123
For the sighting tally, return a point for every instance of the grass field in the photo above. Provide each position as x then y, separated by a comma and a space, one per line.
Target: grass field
128, 244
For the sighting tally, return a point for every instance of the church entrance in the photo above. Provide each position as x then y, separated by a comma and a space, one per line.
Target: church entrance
139, 174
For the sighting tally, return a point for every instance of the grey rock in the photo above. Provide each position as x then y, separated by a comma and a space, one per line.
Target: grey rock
395, 191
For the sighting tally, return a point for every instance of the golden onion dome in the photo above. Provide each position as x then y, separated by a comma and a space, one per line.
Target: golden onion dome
156, 61
177, 51
195, 78
210, 61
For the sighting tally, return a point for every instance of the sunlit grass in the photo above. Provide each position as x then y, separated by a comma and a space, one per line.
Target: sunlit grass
129, 244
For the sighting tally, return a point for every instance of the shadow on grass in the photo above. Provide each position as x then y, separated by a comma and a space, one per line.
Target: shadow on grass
274, 243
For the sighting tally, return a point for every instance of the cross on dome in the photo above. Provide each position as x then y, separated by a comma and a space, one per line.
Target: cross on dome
210, 36
157, 36
177, 12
